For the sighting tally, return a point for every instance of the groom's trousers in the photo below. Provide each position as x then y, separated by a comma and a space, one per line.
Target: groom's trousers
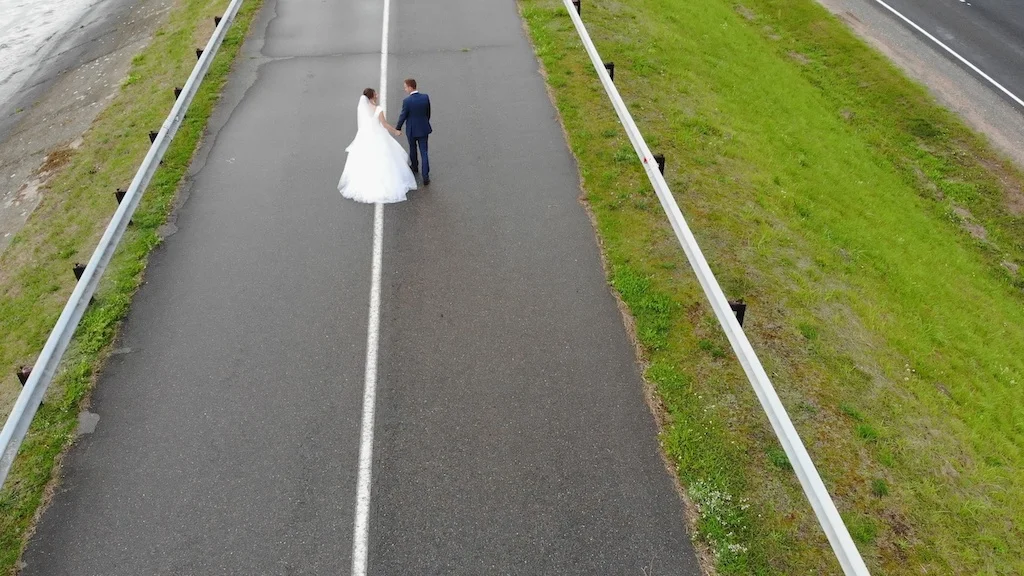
419, 144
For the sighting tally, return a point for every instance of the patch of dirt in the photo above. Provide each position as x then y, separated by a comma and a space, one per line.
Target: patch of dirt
1014, 200
968, 223
1013, 267
800, 58
746, 12
56, 160
901, 529
923, 181
1013, 192
847, 114
949, 471
976, 230
771, 33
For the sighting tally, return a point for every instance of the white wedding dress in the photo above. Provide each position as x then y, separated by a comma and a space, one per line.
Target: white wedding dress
377, 168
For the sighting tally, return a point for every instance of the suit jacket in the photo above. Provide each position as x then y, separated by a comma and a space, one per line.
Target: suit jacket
415, 111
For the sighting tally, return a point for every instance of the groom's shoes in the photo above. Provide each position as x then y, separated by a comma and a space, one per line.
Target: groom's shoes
426, 181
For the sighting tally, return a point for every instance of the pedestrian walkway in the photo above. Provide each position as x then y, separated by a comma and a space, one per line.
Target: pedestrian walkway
511, 435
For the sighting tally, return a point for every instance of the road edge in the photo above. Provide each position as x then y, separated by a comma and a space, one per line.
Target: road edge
75, 397
659, 413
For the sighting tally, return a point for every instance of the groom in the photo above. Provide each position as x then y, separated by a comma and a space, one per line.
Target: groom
416, 109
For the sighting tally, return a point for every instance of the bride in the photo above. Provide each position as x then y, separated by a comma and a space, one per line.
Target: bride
377, 168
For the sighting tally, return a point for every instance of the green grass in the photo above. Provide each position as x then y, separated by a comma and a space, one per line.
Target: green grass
35, 271
876, 242
879, 487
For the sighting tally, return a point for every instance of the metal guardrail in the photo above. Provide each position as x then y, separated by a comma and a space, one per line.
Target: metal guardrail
46, 365
824, 508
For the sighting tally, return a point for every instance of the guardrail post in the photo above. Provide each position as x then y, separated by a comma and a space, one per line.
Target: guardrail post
177, 92
79, 269
199, 53
23, 374
576, 3
740, 309
119, 196
216, 20
152, 139
610, 67
660, 159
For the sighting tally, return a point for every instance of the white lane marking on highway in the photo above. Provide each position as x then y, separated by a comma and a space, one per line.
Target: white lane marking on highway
953, 53
361, 530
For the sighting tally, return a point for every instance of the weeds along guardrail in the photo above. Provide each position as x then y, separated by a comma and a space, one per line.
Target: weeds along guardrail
824, 508
38, 379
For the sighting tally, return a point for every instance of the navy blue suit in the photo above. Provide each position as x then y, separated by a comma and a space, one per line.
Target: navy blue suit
416, 111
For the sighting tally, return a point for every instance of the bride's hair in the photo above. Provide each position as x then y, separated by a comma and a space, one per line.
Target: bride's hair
370, 93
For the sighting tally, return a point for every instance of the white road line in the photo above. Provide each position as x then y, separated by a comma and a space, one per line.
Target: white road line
951, 51
361, 530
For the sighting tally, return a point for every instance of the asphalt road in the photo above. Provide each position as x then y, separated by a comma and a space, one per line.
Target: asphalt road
988, 33
512, 435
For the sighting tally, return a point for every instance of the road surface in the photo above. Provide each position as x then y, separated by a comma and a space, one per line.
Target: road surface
987, 33
512, 435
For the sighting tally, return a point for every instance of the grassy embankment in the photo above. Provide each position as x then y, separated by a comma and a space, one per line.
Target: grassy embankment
35, 271
878, 243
